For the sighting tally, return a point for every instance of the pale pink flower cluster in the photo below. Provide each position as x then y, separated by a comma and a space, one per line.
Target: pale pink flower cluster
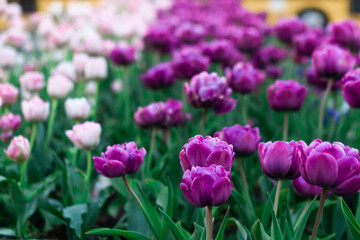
85, 135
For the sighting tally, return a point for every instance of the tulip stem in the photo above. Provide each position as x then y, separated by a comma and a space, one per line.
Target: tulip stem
319, 213
243, 109
54, 104
88, 168
152, 145
33, 136
96, 101
203, 121
322, 107
209, 224
24, 166
127, 93
277, 196
132, 193
286, 126
243, 176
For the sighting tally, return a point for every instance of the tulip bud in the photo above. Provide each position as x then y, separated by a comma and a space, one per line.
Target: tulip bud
206, 186
59, 86
159, 38
18, 150
244, 139
351, 88
331, 165
247, 39
96, 69
8, 93
286, 95
279, 160
122, 55
85, 135
79, 61
35, 110
77, 109
159, 76
32, 81
119, 160
67, 69
10, 122
203, 152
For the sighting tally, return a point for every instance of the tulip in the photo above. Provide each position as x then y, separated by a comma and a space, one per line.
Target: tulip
208, 90
122, 55
286, 29
5, 136
159, 38
8, 93
96, 68
319, 82
203, 152
59, 86
67, 69
206, 186
77, 109
117, 86
305, 190
274, 71
305, 43
332, 166
351, 88
188, 62
119, 160
35, 110
159, 76
32, 81
268, 55
79, 62
85, 135
190, 33
7, 57
151, 116
10, 122
219, 51
248, 39
18, 150
345, 33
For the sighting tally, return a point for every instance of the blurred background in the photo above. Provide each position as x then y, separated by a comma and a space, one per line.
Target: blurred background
314, 12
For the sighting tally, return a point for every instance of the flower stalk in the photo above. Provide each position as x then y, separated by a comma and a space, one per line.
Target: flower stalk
319, 213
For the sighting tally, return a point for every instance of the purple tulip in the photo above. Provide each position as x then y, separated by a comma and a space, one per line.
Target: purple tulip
190, 33
270, 54
279, 160
274, 71
243, 138
286, 29
188, 62
10, 122
345, 33
159, 76
174, 114
319, 82
351, 88
204, 152
286, 95
206, 186
306, 43
122, 55
119, 160
331, 165
247, 39
208, 90
243, 78
219, 50
159, 38
305, 190
332, 62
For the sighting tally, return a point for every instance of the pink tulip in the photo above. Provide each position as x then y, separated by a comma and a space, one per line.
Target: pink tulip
96, 68
18, 150
85, 135
32, 81
59, 86
35, 110
8, 93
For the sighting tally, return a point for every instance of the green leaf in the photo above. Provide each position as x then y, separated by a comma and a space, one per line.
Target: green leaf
329, 237
74, 214
170, 205
7, 232
130, 235
289, 233
244, 233
2, 179
198, 230
258, 232
353, 226
221, 231
301, 222
275, 230
174, 228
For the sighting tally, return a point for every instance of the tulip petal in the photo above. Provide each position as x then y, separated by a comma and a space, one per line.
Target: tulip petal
197, 153
201, 190
348, 187
220, 157
113, 168
321, 169
221, 191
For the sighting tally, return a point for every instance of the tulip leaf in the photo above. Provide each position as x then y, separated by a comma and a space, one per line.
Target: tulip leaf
351, 222
74, 214
301, 222
117, 232
7, 232
151, 215
174, 228
258, 232
198, 230
221, 231
244, 233
275, 229
329, 237
265, 219
289, 233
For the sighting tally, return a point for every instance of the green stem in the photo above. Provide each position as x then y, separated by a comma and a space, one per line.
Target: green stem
323, 105
286, 126
203, 121
88, 168
209, 224
277, 196
24, 166
127, 94
242, 173
152, 145
51, 121
243, 109
319, 213
96, 101
132, 193
33, 136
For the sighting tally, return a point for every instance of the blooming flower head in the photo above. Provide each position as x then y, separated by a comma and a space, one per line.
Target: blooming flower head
35, 110
8, 93
345, 33
18, 150
77, 109
286, 29
85, 135
96, 68
10, 122
59, 86
351, 88
32, 81
122, 55
159, 76
120, 159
